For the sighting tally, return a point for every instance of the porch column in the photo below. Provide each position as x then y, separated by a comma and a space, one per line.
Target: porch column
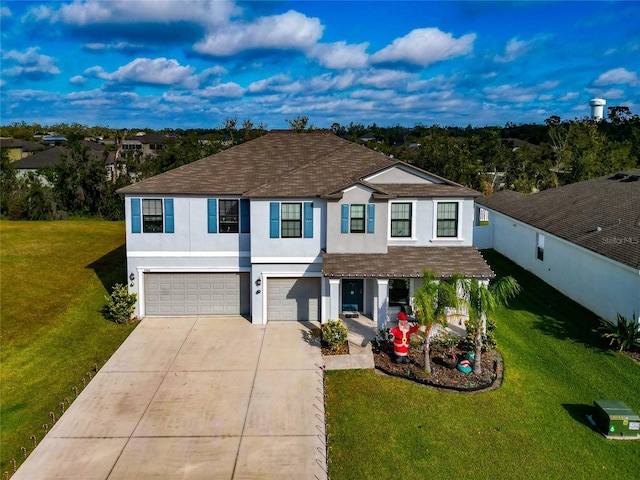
382, 302
334, 298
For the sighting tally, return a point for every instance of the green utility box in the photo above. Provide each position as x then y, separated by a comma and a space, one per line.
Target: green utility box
616, 420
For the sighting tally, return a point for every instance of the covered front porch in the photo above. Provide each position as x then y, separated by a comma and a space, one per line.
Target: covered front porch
377, 286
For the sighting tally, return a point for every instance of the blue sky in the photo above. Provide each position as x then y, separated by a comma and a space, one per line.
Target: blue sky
194, 63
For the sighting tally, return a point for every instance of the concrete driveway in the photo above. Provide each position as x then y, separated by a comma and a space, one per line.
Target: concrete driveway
192, 398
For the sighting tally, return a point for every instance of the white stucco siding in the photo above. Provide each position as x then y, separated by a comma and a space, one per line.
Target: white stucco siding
338, 242
190, 231
263, 247
424, 223
599, 284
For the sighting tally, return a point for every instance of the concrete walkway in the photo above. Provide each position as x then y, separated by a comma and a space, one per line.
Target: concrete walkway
360, 332
195, 398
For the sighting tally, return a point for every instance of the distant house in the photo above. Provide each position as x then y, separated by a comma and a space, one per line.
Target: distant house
52, 156
145, 143
583, 239
368, 137
294, 226
17, 149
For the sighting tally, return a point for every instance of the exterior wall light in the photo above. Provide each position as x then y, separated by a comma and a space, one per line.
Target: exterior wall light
258, 282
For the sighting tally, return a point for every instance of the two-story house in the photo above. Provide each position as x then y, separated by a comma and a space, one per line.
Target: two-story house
294, 226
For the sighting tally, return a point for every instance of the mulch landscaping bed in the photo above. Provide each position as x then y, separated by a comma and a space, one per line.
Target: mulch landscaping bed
342, 349
441, 376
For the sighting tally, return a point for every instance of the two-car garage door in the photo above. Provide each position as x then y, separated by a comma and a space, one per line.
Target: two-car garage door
173, 294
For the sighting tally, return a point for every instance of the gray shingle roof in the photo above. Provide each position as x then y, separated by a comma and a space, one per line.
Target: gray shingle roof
601, 215
52, 156
278, 164
405, 262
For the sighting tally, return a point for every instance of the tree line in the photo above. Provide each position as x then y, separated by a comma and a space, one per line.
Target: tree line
524, 157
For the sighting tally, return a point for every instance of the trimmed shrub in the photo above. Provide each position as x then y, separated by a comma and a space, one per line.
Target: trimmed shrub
120, 305
334, 333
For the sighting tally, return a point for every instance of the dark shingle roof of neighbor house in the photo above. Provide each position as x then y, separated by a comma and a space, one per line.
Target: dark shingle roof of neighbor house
285, 164
53, 155
601, 215
403, 262
25, 145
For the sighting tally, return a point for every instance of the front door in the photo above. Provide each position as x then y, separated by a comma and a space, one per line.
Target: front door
352, 295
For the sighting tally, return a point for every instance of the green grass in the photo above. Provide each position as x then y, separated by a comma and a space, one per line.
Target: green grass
532, 427
54, 279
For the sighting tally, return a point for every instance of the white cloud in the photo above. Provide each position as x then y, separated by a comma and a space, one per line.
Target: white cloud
385, 78
618, 76
93, 12
517, 93
341, 55
611, 94
111, 46
568, 96
5, 12
78, 80
30, 62
157, 71
424, 46
515, 48
269, 84
291, 30
225, 90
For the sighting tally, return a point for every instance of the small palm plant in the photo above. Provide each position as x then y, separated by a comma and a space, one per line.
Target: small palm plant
483, 300
430, 303
625, 334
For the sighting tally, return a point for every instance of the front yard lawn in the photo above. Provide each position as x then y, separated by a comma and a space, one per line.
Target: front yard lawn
54, 279
532, 427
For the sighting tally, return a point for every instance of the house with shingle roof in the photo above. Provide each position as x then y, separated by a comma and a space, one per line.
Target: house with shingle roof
294, 226
53, 155
17, 149
583, 239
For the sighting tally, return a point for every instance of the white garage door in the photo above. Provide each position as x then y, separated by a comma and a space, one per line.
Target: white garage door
172, 294
293, 299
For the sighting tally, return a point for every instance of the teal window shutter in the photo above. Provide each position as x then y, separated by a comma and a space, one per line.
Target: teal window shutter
274, 220
245, 219
344, 224
308, 220
136, 218
168, 215
212, 215
371, 218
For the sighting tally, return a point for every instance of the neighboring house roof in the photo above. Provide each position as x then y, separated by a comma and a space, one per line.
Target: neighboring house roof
285, 163
159, 138
53, 155
25, 145
601, 215
404, 262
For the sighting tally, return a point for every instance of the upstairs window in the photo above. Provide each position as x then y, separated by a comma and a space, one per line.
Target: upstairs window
540, 247
447, 219
357, 218
228, 213
401, 219
291, 220
152, 215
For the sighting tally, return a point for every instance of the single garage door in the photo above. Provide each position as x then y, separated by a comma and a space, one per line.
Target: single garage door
172, 294
293, 299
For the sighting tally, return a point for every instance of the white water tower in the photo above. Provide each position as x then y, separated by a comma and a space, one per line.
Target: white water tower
597, 108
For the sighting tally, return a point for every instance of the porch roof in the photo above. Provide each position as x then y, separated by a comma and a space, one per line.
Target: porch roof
405, 262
